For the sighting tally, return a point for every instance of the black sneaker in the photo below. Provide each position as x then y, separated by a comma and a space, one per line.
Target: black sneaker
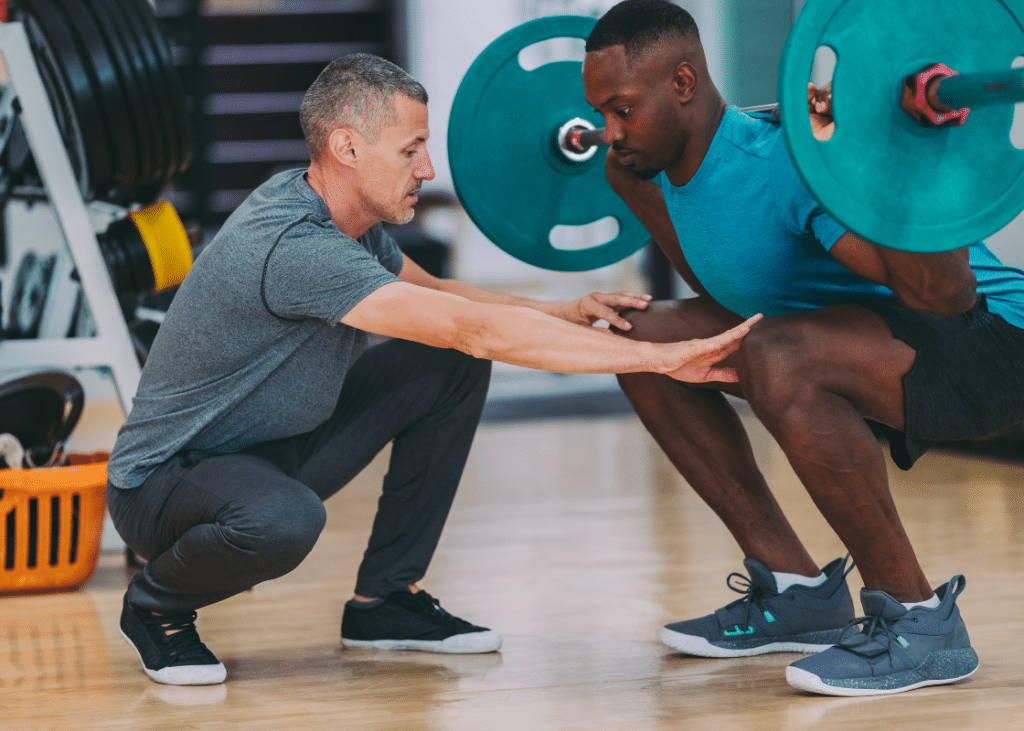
407, 621
179, 658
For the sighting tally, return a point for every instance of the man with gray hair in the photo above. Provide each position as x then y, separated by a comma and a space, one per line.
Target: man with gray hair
260, 397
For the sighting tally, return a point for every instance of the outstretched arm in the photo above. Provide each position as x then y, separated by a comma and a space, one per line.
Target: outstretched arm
583, 311
526, 337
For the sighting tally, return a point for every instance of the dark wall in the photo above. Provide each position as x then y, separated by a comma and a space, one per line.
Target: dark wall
245, 67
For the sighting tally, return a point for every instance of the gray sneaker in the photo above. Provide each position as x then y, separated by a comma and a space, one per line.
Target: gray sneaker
898, 649
800, 619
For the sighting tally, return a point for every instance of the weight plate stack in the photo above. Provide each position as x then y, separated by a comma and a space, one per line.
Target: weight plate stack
117, 99
174, 94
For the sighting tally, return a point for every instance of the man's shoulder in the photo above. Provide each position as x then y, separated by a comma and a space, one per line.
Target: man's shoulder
755, 135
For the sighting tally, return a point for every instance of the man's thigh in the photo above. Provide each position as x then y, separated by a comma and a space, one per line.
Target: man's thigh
393, 388
243, 491
845, 350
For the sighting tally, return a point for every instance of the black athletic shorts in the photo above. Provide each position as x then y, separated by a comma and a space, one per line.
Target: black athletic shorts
967, 380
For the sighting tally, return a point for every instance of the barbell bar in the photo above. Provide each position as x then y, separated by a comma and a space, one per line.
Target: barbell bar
578, 139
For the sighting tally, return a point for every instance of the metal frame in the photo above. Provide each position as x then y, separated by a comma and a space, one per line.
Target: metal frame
112, 346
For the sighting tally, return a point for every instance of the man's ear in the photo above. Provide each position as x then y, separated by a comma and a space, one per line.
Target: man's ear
342, 144
684, 82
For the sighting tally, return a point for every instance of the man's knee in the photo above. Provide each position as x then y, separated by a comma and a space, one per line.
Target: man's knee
640, 326
774, 364
281, 531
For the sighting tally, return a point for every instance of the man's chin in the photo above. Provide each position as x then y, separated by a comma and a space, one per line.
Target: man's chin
646, 173
400, 218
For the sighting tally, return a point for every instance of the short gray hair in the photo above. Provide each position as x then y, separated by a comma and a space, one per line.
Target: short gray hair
358, 92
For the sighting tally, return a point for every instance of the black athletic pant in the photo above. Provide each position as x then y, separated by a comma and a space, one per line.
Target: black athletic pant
212, 526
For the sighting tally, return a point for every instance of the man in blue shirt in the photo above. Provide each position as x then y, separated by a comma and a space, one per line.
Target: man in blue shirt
858, 340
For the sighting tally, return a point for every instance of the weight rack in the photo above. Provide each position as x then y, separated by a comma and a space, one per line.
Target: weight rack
111, 347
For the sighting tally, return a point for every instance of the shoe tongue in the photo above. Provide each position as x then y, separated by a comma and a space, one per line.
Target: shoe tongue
880, 604
760, 575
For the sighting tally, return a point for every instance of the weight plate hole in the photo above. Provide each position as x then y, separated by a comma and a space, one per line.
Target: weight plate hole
552, 50
1017, 129
822, 70
587, 236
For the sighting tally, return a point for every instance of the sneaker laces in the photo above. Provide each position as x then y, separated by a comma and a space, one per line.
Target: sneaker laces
757, 596
181, 638
753, 596
432, 606
868, 642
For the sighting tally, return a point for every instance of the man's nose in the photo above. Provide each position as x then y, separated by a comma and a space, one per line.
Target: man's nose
613, 130
425, 171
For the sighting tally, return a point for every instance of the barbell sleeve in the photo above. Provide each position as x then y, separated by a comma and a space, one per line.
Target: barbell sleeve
981, 89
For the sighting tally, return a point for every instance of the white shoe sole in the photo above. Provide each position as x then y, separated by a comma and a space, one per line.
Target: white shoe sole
182, 674
693, 645
464, 644
803, 680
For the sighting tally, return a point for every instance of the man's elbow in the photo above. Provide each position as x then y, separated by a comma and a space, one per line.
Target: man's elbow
473, 333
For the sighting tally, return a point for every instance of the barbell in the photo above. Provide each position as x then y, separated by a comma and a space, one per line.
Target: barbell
920, 158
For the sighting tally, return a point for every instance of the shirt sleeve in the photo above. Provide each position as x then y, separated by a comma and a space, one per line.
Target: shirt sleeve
799, 211
314, 270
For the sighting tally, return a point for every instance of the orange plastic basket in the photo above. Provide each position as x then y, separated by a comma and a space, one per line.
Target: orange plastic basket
51, 522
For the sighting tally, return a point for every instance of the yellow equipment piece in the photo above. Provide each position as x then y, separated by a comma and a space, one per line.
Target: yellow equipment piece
170, 252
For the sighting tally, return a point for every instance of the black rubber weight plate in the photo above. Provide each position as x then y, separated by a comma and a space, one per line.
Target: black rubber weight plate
175, 94
143, 94
136, 91
111, 96
55, 51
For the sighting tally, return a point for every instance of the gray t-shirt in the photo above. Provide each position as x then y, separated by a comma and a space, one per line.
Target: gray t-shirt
252, 348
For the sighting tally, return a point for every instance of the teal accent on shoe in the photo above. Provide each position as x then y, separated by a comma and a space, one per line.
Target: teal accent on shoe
769, 616
737, 631
897, 650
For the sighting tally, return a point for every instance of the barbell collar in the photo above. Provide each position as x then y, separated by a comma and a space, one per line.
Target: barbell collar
576, 140
939, 96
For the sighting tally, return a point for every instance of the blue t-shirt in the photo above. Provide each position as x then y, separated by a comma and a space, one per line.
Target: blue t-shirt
758, 242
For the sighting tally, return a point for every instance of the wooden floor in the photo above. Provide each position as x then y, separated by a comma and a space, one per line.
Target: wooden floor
575, 540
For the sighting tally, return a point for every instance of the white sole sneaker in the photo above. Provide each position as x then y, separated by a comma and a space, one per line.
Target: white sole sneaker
468, 643
693, 645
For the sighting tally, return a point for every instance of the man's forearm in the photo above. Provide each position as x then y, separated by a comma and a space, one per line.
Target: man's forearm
490, 296
525, 337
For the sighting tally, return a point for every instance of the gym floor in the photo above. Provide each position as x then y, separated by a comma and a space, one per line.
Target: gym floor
576, 540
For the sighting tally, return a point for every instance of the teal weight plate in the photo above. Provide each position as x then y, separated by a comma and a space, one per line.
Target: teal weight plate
881, 175
502, 151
